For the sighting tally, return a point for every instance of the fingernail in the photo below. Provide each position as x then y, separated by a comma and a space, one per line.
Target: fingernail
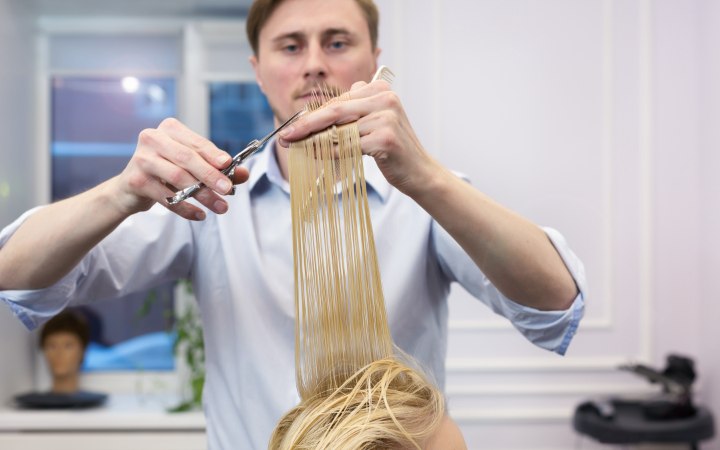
223, 185
222, 159
220, 207
286, 132
200, 215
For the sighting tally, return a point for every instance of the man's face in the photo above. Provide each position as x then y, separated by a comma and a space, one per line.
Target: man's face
309, 42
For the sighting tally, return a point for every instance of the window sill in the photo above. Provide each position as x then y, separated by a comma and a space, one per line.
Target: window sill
120, 413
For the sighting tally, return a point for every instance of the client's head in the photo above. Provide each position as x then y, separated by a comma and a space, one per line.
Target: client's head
384, 405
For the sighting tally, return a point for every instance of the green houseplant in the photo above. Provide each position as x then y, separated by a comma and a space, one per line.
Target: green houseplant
189, 348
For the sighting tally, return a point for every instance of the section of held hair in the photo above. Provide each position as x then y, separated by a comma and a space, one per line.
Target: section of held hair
340, 308
355, 393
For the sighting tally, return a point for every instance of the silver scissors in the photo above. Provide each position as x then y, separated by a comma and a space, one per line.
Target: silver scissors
229, 171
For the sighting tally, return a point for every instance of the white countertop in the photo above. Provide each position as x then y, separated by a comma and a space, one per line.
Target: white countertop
120, 412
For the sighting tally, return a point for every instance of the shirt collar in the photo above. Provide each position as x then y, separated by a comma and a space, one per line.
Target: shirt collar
265, 165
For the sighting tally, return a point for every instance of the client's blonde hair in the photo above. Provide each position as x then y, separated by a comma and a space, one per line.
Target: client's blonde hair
355, 393
384, 405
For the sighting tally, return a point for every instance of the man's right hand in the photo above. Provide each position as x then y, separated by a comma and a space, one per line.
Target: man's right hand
172, 157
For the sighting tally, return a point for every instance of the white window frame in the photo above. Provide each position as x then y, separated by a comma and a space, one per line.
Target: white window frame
192, 84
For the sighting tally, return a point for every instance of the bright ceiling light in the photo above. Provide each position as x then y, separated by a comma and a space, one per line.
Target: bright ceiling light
130, 84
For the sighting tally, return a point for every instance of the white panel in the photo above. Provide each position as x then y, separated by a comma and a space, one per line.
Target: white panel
537, 82
133, 53
544, 106
17, 170
709, 72
226, 50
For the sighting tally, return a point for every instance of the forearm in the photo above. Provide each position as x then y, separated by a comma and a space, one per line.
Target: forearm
54, 239
515, 254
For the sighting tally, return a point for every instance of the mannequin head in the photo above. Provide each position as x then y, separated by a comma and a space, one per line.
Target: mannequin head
63, 340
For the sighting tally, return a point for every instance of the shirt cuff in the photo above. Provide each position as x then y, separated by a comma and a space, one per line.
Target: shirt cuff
553, 330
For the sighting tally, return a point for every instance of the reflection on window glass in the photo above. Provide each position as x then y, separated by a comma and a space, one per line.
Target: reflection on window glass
239, 113
95, 124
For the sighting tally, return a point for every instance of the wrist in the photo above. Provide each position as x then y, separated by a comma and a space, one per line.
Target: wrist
122, 203
431, 185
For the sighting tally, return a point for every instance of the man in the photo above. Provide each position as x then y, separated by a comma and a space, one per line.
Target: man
431, 229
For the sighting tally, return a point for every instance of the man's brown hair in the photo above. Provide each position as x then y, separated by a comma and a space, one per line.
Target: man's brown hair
261, 10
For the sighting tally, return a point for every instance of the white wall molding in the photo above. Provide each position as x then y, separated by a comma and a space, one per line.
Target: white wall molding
514, 415
556, 364
194, 105
110, 25
591, 389
231, 77
110, 73
42, 121
646, 178
437, 69
606, 320
606, 167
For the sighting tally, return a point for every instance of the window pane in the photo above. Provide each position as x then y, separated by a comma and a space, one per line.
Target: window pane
95, 124
239, 113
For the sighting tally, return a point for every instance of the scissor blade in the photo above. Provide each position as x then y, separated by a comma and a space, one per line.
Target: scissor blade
278, 129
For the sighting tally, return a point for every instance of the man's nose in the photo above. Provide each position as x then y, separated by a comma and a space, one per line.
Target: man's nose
316, 68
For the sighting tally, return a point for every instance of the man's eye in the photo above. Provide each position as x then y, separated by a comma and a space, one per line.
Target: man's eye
291, 48
338, 45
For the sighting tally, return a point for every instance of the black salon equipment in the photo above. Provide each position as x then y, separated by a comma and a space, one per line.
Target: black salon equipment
670, 416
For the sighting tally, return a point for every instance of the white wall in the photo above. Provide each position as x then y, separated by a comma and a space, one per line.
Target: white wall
598, 118
17, 190
709, 274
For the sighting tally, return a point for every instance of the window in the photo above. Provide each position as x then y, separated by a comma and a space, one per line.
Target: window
96, 113
239, 113
95, 124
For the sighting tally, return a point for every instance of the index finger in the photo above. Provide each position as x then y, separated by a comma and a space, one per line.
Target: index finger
196, 155
359, 105
202, 146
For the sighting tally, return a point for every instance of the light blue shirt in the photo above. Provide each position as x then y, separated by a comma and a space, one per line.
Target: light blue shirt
241, 267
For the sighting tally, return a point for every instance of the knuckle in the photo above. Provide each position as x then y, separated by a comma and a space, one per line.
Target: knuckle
389, 116
175, 176
391, 99
183, 154
199, 143
147, 136
137, 180
335, 108
141, 160
170, 123
387, 138
211, 175
389, 119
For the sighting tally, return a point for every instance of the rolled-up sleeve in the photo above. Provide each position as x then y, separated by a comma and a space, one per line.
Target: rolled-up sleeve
551, 330
145, 251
